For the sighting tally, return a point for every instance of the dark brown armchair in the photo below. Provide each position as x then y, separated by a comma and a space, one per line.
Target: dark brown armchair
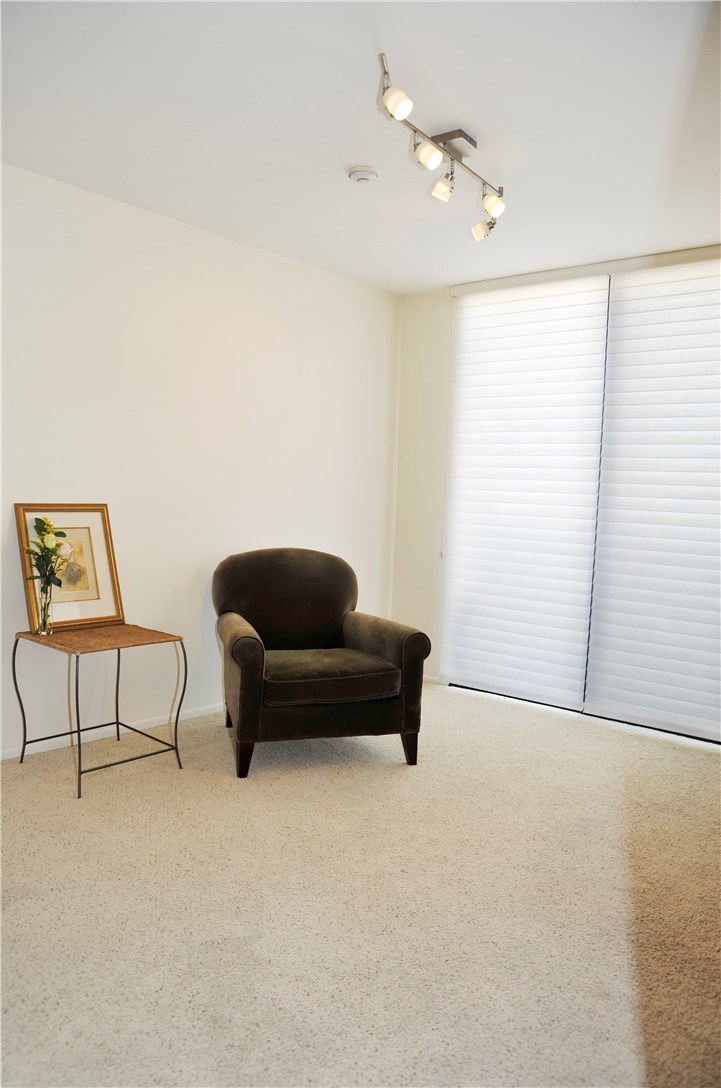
300, 662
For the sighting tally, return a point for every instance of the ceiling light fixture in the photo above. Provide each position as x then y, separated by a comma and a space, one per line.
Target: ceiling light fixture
443, 189
483, 229
426, 154
430, 151
397, 104
493, 204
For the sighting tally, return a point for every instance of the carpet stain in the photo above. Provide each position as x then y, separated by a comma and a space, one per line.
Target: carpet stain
673, 848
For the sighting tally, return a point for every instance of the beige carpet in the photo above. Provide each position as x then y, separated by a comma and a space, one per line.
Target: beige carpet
536, 903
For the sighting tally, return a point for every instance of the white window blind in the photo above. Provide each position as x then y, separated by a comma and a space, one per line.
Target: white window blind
583, 523
654, 639
523, 489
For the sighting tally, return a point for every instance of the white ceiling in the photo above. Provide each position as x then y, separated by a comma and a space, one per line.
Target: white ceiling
601, 121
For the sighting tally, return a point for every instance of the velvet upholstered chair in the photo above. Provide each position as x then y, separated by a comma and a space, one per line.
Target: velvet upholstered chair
300, 662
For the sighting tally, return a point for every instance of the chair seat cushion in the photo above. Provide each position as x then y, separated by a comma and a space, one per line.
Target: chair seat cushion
296, 677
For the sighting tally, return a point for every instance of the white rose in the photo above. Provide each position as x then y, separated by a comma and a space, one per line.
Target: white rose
64, 551
50, 541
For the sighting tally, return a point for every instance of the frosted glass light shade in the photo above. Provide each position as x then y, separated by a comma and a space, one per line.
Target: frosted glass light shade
443, 189
480, 231
493, 204
428, 155
397, 102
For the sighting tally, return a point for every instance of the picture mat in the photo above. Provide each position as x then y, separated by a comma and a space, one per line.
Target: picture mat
78, 575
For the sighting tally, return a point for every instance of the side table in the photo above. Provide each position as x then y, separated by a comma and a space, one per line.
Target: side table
93, 640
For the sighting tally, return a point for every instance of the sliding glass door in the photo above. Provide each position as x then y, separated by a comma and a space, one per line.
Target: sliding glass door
582, 537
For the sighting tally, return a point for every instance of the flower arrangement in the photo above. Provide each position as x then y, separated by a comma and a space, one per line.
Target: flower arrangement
49, 553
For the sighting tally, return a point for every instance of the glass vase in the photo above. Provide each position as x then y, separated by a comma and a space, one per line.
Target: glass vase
45, 615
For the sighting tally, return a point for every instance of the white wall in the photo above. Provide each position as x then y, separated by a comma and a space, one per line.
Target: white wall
217, 397
426, 368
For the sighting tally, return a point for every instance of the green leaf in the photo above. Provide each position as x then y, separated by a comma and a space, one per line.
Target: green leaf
58, 532
55, 580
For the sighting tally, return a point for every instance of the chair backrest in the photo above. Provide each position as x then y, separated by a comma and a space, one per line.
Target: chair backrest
295, 598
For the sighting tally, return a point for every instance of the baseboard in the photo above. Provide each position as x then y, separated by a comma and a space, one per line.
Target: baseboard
109, 731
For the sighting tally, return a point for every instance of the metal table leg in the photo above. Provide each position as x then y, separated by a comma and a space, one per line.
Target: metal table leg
22, 708
117, 698
77, 721
180, 703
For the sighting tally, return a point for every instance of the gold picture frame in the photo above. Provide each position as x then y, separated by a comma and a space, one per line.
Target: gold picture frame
90, 593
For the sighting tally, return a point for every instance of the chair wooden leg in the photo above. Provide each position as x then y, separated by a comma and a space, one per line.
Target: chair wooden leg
243, 756
410, 747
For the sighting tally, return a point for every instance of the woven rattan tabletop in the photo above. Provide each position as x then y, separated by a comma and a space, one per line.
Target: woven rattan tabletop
91, 640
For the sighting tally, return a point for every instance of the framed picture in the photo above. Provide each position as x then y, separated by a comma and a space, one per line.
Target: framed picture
89, 593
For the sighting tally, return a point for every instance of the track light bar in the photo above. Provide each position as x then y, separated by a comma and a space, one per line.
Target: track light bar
430, 151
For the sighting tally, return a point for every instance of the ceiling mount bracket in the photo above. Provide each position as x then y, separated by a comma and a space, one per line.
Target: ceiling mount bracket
459, 144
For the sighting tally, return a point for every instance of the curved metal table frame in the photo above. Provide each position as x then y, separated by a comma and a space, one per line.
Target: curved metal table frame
78, 641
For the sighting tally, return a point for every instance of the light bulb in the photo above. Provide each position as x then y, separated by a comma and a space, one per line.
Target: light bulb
481, 230
397, 103
443, 189
493, 204
428, 155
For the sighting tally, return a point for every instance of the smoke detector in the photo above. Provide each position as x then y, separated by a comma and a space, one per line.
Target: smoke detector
363, 174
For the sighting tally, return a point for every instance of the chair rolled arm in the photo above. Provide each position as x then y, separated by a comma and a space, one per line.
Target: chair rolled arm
393, 641
239, 639
243, 669
406, 647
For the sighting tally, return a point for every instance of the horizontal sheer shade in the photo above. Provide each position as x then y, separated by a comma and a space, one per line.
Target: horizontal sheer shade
641, 615
653, 649
530, 608
527, 407
631, 706
582, 555
508, 628
537, 572
700, 650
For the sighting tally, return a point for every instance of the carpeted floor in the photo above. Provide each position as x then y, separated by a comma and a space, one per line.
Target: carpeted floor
534, 904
